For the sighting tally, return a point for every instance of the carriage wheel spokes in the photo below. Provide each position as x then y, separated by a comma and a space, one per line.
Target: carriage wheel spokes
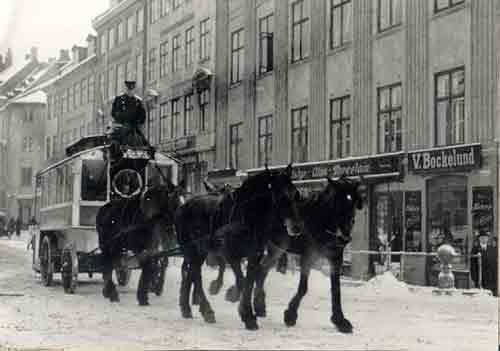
46, 262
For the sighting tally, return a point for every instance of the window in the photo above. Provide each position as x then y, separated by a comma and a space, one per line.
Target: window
83, 91
130, 26
176, 46
204, 103
112, 38
49, 106
152, 125
299, 134
153, 11
340, 127
54, 144
237, 52
300, 41
205, 39
163, 59
235, 142
152, 65
26, 175
94, 180
76, 99
104, 47
102, 86
189, 46
140, 20
128, 70
177, 121
389, 14
188, 111
450, 107
120, 77
389, 118
440, 5
82, 130
165, 7
71, 98
47, 148
111, 82
340, 22
138, 69
165, 122
176, 4
266, 32
265, 140
121, 32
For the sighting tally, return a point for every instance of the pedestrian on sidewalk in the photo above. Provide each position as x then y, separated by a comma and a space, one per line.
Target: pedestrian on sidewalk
11, 228
18, 226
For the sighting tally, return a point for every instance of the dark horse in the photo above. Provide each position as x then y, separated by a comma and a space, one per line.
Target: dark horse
329, 218
206, 223
139, 225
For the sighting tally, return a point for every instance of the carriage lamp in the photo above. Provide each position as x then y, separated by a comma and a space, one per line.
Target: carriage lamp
446, 279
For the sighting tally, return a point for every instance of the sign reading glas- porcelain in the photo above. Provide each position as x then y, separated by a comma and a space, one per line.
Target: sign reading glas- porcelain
459, 158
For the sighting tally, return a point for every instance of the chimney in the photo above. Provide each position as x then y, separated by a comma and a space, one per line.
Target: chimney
8, 58
79, 53
64, 55
91, 44
34, 54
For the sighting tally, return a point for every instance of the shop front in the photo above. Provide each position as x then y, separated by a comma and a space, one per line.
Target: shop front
448, 199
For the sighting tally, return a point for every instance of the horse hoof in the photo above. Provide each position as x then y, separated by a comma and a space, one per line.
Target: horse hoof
251, 324
143, 303
209, 317
187, 314
114, 299
214, 288
343, 325
232, 294
260, 312
290, 318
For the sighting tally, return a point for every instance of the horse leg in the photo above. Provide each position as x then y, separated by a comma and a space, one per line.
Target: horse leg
259, 298
233, 293
186, 279
109, 290
205, 308
337, 318
291, 314
145, 282
216, 285
245, 307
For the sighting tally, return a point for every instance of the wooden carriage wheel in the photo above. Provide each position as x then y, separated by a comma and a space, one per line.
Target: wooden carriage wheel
46, 261
67, 272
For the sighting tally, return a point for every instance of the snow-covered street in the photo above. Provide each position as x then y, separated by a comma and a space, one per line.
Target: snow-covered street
386, 315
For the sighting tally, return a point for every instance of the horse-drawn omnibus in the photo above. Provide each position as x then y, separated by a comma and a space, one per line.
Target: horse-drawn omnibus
69, 195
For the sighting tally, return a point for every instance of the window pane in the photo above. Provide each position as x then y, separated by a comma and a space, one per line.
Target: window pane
441, 117
384, 14
384, 102
347, 28
396, 12
396, 97
458, 83
443, 85
336, 27
441, 4
459, 119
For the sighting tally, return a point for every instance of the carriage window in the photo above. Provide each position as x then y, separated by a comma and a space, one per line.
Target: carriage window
68, 184
94, 180
154, 176
59, 185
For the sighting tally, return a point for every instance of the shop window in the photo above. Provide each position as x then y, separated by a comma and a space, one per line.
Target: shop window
447, 216
413, 221
388, 222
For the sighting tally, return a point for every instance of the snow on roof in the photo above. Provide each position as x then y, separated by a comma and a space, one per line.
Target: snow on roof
37, 97
67, 69
11, 71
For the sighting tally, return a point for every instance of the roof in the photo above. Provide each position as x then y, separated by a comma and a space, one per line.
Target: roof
36, 97
11, 71
100, 19
67, 69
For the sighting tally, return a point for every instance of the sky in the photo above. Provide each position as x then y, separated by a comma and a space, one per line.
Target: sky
50, 25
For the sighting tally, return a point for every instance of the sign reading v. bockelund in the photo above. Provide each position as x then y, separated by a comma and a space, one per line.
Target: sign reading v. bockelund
451, 158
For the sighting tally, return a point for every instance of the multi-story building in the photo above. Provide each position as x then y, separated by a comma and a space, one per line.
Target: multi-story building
22, 132
71, 110
401, 92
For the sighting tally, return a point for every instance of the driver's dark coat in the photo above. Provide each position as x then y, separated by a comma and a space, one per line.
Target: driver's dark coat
128, 110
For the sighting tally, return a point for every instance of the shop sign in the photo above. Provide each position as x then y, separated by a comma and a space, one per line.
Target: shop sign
384, 165
459, 158
482, 208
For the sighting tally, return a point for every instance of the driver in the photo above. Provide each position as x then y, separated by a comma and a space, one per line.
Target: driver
129, 116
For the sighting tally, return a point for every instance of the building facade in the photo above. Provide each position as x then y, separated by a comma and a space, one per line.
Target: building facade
402, 92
